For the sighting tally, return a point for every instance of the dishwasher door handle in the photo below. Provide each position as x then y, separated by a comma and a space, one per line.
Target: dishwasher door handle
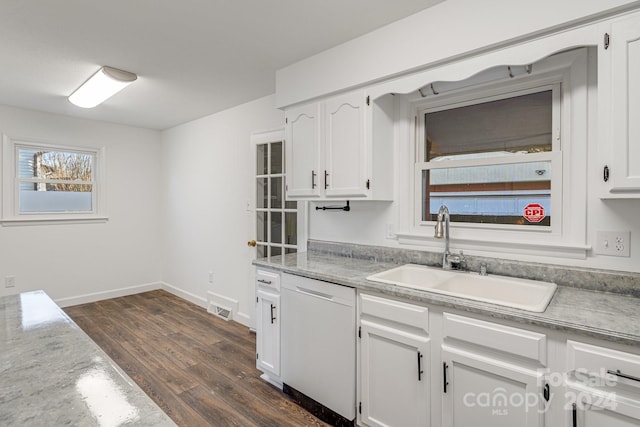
315, 294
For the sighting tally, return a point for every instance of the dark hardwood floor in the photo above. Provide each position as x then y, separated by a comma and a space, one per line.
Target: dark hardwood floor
199, 369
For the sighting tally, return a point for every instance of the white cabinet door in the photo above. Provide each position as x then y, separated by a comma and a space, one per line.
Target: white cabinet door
481, 391
302, 146
268, 332
346, 150
603, 410
394, 370
621, 62
597, 399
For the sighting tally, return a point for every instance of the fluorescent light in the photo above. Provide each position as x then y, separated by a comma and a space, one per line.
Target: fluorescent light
105, 83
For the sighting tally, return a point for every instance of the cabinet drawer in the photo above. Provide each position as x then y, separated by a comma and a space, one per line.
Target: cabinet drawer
596, 360
396, 311
268, 279
518, 342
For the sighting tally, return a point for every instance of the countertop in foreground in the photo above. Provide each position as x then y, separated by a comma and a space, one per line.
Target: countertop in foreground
602, 315
53, 374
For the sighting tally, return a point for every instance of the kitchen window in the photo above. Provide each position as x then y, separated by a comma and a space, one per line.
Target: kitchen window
506, 156
489, 160
45, 182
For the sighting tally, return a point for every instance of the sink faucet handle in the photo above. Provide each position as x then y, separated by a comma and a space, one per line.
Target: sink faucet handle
463, 261
455, 261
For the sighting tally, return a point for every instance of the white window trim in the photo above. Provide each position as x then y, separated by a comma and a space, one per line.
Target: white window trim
10, 209
567, 236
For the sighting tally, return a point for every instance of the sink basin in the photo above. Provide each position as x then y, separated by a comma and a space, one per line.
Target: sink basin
412, 275
530, 295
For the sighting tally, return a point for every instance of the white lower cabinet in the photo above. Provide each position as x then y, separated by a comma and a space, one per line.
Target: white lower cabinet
420, 365
492, 374
268, 332
394, 377
395, 360
603, 386
604, 410
268, 325
482, 391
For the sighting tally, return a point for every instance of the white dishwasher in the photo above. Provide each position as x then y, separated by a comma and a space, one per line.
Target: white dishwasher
318, 323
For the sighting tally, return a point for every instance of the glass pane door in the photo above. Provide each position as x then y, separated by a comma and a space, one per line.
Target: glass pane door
276, 219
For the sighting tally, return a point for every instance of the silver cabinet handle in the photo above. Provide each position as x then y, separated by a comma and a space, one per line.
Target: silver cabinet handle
266, 282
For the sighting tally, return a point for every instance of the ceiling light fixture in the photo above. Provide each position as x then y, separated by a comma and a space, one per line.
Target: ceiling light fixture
105, 83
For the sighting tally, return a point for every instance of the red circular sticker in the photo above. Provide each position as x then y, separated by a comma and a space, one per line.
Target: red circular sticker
534, 212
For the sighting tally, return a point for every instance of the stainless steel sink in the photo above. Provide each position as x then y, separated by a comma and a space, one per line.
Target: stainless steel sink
530, 295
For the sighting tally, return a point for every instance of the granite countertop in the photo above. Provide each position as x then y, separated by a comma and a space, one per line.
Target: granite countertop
53, 374
603, 315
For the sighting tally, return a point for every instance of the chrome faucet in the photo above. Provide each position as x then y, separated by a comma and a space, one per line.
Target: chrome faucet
449, 261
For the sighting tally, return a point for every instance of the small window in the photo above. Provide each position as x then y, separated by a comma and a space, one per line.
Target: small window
46, 182
489, 160
54, 180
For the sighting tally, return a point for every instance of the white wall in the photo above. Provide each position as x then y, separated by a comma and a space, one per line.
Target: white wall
91, 260
450, 29
207, 180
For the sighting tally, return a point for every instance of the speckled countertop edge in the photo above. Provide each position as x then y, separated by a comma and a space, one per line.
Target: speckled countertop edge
602, 315
53, 373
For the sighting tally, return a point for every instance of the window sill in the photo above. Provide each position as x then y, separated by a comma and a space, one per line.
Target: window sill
510, 248
53, 221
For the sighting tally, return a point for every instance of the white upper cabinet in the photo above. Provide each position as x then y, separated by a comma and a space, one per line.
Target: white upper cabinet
346, 147
340, 148
303, 156
619, 100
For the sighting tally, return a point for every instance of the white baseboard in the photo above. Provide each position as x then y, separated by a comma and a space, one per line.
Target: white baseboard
273, 381
197, 300
114, 293
244, 319
238, 316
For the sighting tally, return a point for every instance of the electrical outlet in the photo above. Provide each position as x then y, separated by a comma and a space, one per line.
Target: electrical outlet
9, 281
613, 243
211, 277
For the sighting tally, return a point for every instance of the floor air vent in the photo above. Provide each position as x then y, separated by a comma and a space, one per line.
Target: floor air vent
221, 312
221, 306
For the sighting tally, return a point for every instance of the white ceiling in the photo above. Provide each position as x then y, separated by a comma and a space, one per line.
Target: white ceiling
193, 57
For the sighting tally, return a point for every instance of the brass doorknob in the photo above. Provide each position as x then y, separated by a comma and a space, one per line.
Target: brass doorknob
251, 243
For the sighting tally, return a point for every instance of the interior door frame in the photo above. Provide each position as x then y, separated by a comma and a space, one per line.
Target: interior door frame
257, 138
